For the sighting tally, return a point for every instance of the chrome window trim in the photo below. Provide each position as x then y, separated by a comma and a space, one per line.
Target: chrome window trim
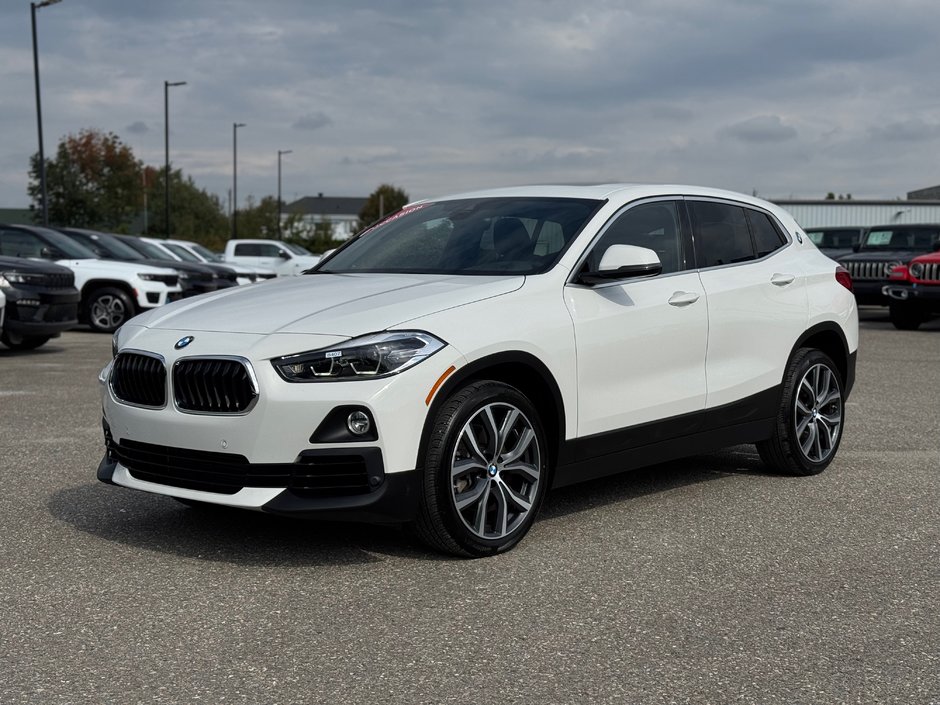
244, 361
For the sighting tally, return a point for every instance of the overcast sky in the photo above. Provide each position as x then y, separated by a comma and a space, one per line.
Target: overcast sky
788, 97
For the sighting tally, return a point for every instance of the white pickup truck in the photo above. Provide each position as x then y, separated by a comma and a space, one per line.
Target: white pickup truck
284, 258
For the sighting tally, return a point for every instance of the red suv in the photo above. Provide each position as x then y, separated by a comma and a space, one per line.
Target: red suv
913, 291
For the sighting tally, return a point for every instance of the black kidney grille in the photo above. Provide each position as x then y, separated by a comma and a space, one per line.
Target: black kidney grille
213, 386
139, 379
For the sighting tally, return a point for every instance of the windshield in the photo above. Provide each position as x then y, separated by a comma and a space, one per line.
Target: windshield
833, 238
66, 245
471, 236
106, 246
297, 249
902, 238
205, 253
145, 248
181, 252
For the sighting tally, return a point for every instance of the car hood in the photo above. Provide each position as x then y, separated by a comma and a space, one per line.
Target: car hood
334, 304
118, 269
21, 264
880, 256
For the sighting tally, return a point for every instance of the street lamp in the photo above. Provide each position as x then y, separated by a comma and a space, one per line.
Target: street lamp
33, 6
235, 126
280, 152
166, 142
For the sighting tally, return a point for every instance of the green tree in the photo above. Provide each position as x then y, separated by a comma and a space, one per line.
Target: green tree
385, 200
195, 214
258, 219
94, 181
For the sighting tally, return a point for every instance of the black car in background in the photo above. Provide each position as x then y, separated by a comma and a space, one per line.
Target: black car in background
194, 278
836, 242
883, 248
152, 252
41, 302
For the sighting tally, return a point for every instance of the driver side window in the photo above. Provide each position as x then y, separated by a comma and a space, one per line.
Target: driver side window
654, 226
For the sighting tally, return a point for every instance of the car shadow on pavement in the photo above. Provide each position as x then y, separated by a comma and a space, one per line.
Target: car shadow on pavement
627, 486
226, 535
221, 534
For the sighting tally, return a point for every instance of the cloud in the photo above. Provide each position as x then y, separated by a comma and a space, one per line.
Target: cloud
913, 130
312, 121
138, 128
760, 129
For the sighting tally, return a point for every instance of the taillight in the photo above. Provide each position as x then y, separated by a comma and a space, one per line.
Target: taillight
843, 277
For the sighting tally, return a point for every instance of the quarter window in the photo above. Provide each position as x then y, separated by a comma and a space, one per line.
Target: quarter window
654, 226
767, 237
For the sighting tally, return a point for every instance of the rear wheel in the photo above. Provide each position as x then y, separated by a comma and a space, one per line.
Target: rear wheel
108, 309
24, 342
809, 422
906, 317
485, 472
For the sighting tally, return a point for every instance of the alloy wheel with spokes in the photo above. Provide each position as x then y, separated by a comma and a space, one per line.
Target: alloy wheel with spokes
108, 309
817, 413
808, 426
485, 470
495, 471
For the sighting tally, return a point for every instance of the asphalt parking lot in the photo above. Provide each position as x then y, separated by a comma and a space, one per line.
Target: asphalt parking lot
701, 581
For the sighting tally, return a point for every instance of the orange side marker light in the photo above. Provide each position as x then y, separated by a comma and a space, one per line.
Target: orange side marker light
438, 383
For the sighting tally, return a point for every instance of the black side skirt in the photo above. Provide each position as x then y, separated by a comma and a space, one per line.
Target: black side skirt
746, 421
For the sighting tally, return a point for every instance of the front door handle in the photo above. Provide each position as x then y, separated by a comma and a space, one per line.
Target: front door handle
782, 279
683, 298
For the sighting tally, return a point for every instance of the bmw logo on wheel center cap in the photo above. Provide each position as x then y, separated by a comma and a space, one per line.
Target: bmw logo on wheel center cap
491, 470
183, 342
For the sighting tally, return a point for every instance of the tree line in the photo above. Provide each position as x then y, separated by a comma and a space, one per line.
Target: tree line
95, 181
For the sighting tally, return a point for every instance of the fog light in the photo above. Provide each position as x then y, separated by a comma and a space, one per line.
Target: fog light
358, 423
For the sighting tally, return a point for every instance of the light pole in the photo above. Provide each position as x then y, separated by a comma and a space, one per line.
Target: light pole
166, 142
280, 152
33, 6
235, 126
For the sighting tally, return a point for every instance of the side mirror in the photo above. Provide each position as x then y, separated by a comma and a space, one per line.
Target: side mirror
623, 262
283, 254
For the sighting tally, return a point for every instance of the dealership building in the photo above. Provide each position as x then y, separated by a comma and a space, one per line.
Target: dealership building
921, 206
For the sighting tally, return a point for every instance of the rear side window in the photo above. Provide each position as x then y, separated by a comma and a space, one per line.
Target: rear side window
247, 249
721, 234
767, 238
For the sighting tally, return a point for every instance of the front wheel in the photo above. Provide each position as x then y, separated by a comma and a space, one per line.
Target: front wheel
109, 308
808, 427
906, 317
485, 471
24, 342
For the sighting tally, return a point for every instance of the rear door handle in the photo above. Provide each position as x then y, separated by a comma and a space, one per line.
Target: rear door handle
683, 298
782, 279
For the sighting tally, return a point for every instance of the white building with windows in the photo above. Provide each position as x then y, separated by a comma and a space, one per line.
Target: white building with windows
340, 211
836, 213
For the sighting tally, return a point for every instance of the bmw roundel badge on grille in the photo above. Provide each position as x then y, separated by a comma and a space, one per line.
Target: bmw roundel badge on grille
183, 342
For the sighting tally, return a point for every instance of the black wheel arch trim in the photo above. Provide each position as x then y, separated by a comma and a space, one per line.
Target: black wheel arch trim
848, 361
475, 370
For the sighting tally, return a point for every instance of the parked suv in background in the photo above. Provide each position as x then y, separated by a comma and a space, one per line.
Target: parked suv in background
453, 362
836, 242
186, 251
913, 291
285, 258
193, 278
111, 292
41, 302
883, 248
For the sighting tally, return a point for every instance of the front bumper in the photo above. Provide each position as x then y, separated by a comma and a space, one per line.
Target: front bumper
869, 293
913, 294
40, 312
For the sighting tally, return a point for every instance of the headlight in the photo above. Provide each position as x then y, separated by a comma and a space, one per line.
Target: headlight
168, 279
367, 357
8, 279
114, 342
916, 270
889, 266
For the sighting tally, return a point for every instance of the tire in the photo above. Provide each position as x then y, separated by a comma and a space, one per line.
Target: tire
108, 309
478, 498
906, 317
26, 342
811, 417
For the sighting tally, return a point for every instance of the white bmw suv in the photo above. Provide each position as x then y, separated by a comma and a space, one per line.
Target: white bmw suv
448, 366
